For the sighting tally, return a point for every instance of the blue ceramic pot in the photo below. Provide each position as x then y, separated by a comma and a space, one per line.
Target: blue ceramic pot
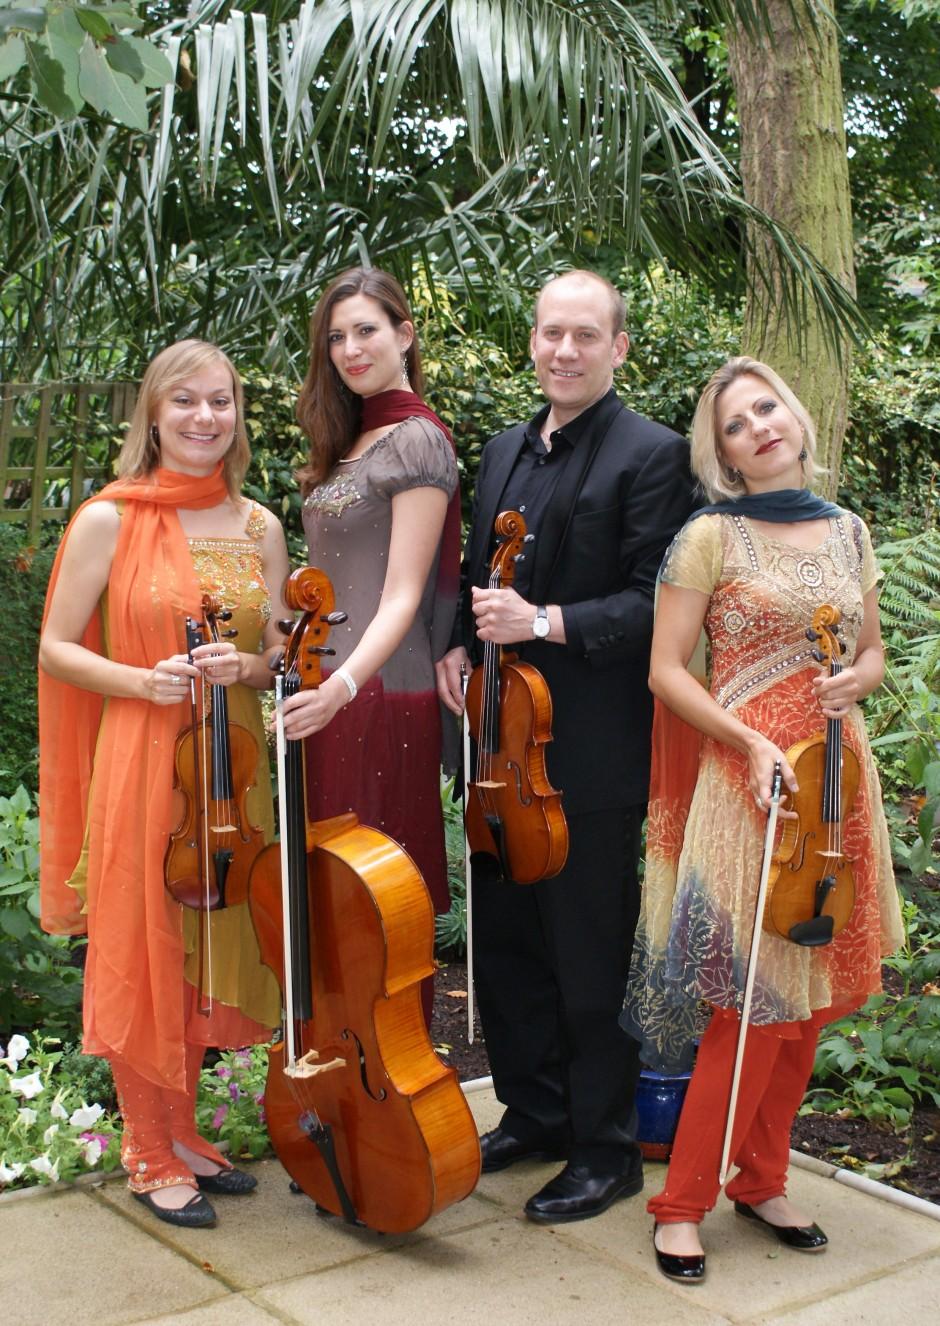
658, 1105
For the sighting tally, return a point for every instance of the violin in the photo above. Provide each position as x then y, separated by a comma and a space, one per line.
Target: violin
811, 887
512, 811
362, 1113
213, 848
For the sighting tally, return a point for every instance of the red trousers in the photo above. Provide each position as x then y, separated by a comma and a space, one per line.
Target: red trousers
154, 1119
774, 1075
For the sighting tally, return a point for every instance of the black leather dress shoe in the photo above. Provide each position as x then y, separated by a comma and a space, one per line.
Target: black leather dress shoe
196, 1214
688, 1269
578, 1193
499, 1149
804, 1238
232, 1182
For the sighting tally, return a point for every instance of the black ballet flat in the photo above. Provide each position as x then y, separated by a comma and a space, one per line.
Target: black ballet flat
688, 1270
804, 1238
196, 1214
229, 1182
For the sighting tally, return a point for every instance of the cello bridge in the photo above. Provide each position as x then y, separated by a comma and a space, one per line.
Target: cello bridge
309, 1066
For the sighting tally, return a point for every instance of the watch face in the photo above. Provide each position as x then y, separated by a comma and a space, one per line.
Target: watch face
541, 626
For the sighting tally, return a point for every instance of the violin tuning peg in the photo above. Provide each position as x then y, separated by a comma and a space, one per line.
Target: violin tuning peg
529, 538
225, 616
811, 634
519, 557
842, 646
321, 651
230, 635
285, 625
334, 618
819, 656
276, 662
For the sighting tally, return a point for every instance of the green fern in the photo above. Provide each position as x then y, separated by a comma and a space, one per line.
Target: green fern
910, 591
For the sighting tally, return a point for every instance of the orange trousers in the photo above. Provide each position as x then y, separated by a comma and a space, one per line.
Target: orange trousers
774, 1075
154, 1119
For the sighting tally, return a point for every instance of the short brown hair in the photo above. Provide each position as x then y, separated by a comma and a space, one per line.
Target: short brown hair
618, 305
140, 450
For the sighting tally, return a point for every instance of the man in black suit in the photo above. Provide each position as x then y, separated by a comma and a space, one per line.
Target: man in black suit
603, 491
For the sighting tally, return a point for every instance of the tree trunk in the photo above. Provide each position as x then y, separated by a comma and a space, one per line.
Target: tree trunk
794, 167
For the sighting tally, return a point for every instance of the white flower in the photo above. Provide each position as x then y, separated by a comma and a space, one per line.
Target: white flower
43, 1165
27, 1087
86, 1116
92, 1150
17, 1049
57, 1109
29, 1116
50, 1133
10, 1172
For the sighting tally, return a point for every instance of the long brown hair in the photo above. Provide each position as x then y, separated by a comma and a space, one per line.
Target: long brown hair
326, 410
140, 450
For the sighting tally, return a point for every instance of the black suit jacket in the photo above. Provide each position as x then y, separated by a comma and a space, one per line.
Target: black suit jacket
623, 494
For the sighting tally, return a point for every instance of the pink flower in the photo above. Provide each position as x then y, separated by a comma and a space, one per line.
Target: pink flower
103, 1140
233, 1090
223, 1071
219, 1117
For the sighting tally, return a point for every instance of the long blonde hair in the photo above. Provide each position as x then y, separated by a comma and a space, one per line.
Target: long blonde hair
705, 458
140, 450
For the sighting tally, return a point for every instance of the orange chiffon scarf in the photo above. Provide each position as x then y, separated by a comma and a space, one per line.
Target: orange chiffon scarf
106, 787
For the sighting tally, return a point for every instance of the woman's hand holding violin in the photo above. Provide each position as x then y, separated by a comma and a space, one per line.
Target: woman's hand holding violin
168, 681
837, 694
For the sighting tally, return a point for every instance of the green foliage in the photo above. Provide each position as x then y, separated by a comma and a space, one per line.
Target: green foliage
904, 714
24, 574
230, 1102
68, 55
883, 1060
39, 984
51, 1126
451, 927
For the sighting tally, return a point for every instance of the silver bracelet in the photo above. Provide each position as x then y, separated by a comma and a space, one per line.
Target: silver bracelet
350, 684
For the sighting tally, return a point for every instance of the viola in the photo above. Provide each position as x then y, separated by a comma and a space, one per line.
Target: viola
213, 848
512, 811
811, 888
362, 1113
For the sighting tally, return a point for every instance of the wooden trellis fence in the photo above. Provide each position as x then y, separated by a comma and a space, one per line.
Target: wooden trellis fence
57, 442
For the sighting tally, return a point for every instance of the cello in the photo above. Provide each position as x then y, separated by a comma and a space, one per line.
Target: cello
811, 888
512, 811
362, 1113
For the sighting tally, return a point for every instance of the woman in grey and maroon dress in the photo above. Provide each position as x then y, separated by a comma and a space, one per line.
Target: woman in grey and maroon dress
382, 519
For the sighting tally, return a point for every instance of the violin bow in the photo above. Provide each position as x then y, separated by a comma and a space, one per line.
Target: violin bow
772, 812
468, 888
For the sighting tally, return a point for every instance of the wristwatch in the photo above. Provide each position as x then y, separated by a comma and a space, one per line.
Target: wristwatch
541, 625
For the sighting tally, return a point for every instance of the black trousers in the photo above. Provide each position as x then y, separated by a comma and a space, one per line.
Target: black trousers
550, 965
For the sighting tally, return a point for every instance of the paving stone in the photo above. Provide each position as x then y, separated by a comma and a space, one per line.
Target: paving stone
232, 1310
901, 1296
67, 1258
508, 1271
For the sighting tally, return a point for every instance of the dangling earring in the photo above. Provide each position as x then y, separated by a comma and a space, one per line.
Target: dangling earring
734, 475
803, 453
154, 435
404, 370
